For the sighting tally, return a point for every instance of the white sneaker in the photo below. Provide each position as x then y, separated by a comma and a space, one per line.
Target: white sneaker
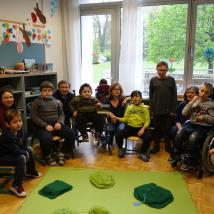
19, 191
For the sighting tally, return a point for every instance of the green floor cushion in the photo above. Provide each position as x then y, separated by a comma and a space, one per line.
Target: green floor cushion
55, 189
99, 210
102, 180
153, 195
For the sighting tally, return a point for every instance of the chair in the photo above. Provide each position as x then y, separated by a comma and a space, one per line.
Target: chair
133, 147
6, 175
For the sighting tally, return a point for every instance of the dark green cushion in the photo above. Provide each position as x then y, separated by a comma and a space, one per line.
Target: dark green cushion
102, 180
153, 195
55, 189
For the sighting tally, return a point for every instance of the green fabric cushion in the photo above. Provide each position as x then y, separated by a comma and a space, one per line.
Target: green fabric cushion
98, 210
102, 180
65, 211
153, 195
55, 189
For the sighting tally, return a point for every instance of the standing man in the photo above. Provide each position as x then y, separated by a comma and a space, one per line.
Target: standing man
163, 101
65, 96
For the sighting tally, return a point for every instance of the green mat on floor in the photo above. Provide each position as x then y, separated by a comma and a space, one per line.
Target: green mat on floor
119, 199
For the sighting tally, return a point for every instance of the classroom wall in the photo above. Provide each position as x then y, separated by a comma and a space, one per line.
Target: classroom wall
20, 10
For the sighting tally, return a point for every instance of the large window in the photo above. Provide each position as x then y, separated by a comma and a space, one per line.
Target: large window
179, 32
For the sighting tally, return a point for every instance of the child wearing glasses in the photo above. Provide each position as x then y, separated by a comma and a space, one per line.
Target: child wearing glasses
163, 102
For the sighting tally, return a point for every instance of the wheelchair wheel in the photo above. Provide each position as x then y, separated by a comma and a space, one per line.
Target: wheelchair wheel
207, 158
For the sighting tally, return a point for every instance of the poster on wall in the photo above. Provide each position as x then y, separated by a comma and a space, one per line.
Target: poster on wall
40, 35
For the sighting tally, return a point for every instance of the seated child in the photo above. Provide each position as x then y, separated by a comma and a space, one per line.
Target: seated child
201, 111
137, 119
65, 96
102, 90
14, 151
48, 118
84, 109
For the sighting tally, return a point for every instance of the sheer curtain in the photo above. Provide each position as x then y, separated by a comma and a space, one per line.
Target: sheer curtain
72, 45
131, 53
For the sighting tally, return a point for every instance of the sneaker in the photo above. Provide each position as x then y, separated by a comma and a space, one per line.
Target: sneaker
143, 157
19, 191
35, 174
61, 159
184, 167
121, 153
51, 162
154, 150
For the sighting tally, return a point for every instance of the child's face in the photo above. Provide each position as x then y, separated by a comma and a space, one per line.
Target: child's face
64, 89
190, 93
7, 99
15, 124
46, 92
204, 93
136, 100
86, 92
161, 71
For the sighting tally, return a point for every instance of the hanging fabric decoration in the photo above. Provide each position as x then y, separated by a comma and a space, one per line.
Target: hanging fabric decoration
19, 41
39, 13
25, 35
54, 5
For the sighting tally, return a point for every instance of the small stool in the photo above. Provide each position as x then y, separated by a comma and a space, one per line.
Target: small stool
7, 173
134, 140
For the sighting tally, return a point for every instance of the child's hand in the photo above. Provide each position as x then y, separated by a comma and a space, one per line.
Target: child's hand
49, 128
111, 115
57, 126
126, 100
141, 132
97, 105
200, 118
75, 114
195, 98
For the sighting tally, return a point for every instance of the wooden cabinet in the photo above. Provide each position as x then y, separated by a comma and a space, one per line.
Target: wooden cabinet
25, 88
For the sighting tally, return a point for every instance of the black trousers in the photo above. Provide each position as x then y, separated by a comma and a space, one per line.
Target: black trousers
83, 118
162, 124
132, 131
46, 142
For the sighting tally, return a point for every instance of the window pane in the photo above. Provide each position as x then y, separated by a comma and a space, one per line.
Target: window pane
204, 45
164, 39
96, 48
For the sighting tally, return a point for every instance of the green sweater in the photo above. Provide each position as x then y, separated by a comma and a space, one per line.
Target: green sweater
136, 116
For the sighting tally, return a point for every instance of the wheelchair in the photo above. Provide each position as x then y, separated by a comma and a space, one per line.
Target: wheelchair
104, 140
201, 160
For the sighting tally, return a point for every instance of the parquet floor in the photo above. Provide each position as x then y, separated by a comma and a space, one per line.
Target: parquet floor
87, 156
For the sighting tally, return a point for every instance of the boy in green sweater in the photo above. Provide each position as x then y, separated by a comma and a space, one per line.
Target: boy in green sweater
137, 119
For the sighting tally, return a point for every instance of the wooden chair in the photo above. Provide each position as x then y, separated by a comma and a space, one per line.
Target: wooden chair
6, 175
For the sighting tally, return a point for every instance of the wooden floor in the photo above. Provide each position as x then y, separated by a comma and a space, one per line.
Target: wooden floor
87, 156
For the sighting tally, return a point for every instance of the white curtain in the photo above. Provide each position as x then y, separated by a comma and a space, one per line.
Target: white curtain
72, 45
131, 54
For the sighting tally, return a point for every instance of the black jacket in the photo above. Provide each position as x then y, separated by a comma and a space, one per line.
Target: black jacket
12, 144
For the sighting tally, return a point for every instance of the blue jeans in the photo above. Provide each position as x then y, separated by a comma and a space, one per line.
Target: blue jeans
114, 128
21, 165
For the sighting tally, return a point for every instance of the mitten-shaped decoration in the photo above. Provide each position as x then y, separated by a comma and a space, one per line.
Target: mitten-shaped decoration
33, 17
25, 35
42, 18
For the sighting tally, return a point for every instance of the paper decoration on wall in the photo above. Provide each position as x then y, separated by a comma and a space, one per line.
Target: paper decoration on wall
25, 35
19, 42
54, 5
9, 32
39, 35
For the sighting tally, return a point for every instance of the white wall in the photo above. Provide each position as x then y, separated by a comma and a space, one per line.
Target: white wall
20, 10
